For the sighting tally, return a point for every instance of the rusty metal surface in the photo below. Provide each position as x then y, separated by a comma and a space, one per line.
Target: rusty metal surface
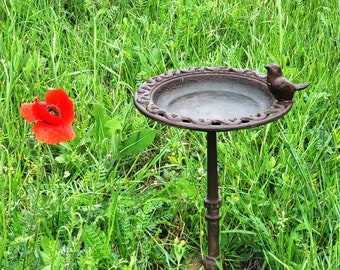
212, 203
210, 99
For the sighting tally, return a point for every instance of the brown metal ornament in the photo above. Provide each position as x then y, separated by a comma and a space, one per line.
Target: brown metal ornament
213, 99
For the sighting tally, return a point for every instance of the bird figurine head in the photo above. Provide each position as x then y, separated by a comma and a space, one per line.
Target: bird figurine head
281, 88
274, 69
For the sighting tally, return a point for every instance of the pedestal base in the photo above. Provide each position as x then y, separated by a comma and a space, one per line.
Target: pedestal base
209, 263
213, 203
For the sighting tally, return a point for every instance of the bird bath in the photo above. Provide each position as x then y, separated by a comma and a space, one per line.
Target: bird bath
210, 100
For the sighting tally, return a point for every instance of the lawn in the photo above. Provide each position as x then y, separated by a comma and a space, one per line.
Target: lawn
127, 192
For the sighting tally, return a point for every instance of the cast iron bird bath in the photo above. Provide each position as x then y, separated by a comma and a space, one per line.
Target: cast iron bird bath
211, 100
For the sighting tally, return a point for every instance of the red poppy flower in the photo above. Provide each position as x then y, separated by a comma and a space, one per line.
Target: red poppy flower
53, 117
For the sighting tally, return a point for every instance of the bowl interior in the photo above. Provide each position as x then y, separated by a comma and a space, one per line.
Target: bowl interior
218, 98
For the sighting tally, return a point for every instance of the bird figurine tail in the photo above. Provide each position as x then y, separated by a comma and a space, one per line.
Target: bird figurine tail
301, 86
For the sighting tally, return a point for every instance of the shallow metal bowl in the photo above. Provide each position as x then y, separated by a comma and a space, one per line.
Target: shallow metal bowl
210, 99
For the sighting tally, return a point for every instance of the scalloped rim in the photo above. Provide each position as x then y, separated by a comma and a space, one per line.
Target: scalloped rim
144, 103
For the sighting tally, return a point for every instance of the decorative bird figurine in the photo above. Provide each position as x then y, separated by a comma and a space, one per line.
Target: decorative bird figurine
281, 88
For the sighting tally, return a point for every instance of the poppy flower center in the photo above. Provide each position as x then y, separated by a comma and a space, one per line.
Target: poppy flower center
53, 109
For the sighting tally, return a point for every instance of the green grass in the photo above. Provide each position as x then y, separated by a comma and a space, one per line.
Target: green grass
98, 202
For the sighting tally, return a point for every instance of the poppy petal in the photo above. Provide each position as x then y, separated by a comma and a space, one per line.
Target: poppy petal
28, 113
59, 98
53, 134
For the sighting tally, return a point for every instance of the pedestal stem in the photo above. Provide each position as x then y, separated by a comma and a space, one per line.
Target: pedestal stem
213, 203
